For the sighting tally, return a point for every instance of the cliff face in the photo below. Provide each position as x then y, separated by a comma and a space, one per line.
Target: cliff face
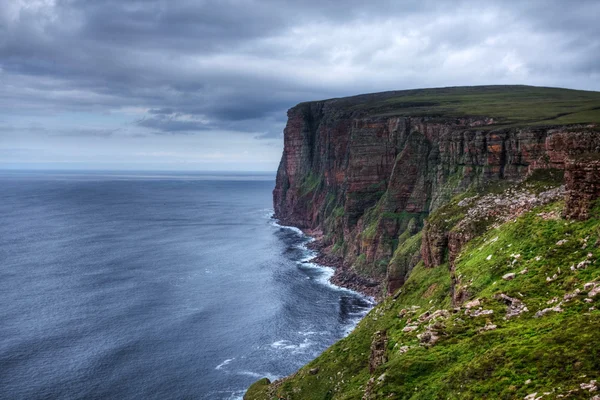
483, 205
367, 180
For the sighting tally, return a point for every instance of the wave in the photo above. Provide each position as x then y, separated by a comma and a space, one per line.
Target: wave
310, 255
295, 348
224, 363
231, 394
291, 228
311, 333
324, 276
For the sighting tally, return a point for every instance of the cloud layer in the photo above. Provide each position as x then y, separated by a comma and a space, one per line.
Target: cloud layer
204, 73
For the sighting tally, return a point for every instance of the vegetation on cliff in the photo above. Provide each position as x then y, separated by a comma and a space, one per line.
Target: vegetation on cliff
529, 322
477, 210
366, 171
508, 105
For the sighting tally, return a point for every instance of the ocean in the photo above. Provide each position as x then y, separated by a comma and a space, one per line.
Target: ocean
156, 286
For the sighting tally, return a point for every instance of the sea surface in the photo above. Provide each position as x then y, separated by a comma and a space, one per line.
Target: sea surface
155, 286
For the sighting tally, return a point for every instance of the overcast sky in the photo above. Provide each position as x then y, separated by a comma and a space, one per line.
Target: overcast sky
205, 85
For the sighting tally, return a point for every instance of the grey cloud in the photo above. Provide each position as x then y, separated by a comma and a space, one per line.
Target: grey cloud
161, 111
171, 124
238, 65
89, 132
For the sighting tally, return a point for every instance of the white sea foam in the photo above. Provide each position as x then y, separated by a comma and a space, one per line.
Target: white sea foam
295, 348
268, 213
224, 363
312, 333
291, 228
324, 278
232, 395
239, 395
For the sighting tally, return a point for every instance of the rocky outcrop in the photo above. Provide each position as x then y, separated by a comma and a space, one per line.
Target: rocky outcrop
369, 180
378, 349
582, 178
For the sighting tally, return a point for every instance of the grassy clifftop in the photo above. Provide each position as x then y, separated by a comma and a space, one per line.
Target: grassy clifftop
465, 204
528, 326
516, 105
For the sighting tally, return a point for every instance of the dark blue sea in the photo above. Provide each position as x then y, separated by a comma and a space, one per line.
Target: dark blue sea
155, 286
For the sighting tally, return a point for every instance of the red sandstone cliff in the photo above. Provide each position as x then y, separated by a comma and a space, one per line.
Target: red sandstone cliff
367, 179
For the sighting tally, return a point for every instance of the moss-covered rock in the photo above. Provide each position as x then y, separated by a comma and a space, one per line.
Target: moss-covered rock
256, 390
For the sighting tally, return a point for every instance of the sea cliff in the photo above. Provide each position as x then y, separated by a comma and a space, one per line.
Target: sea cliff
414, 196
363, 173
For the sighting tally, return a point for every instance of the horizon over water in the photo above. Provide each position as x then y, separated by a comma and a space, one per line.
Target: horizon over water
156, 284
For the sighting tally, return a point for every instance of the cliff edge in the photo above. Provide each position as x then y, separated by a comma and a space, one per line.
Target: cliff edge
363, 173
473, 214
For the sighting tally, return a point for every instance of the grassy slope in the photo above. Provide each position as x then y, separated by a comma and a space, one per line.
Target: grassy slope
557, 351
508, 105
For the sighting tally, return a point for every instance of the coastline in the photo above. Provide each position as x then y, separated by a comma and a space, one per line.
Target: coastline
343, 277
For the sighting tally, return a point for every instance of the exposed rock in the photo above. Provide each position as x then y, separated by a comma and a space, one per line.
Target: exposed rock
589, 286
472, 304
547, 310
492, 207
592, 386
378, 350
369, 389
488, 327
424, 316
365, 182
256, 387
594, 292
428, 337
515, 306
582, 178
313, 371
532, 396
339, 160
479, 312
581, 265
509, 276
347, 278
432, 316
572, 295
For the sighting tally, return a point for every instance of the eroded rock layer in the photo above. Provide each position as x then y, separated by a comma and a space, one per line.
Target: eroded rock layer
367, 181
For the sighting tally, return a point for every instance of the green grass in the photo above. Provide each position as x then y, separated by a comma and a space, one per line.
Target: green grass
508, 105
556, 352
533, 240
310, 183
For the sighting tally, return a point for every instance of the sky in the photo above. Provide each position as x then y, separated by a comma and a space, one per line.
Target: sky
205, 85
